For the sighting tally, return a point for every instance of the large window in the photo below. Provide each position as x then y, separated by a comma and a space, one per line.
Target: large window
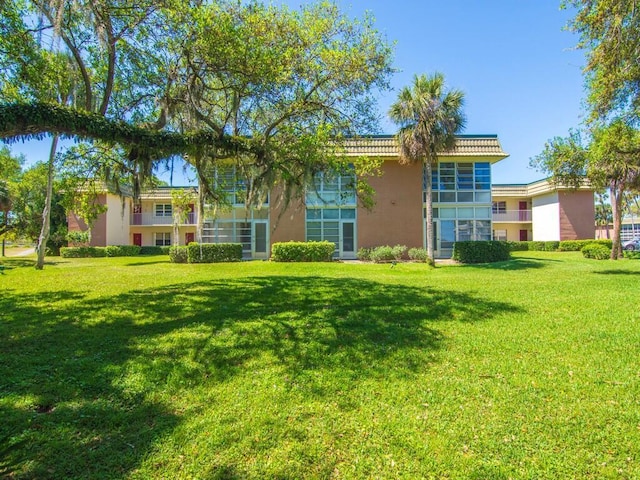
163, 210
463, 182
162, 239
499, 207
233, 185
250, 228
332, 190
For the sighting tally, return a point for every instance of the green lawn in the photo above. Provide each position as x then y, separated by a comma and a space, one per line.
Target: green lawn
138, 368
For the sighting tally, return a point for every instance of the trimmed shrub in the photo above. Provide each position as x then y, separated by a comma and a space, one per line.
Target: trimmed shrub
122, 250
214, 252
382, 254
551, 246
364, 254
418, 254
302, 251
82, 252
481, 251
178, 254
632, 254
518, 246
398, 251
596, 251
155, 250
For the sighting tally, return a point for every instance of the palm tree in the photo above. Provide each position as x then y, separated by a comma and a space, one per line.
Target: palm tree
429, 117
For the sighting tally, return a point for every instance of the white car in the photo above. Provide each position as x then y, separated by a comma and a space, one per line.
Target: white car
631, 244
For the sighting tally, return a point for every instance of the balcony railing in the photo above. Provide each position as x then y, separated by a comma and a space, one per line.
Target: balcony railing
151, 219
513, 216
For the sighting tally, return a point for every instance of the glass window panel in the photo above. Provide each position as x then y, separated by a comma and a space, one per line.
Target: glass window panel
261, 237
465, 230
483, 213
447, 213
483, 230
314, 213
483, 197
447, 197
348, 237
447, 233
465, 196
435, 213
331, 213
465, 213
348, 213
434, 197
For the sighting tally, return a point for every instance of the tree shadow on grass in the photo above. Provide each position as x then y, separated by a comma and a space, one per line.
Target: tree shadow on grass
617, 272
81, 375
520, 263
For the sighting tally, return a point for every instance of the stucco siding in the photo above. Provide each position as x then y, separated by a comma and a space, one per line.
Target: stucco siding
117, 218
546, 217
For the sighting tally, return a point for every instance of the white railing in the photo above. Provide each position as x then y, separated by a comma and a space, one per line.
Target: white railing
513, 216
151, 219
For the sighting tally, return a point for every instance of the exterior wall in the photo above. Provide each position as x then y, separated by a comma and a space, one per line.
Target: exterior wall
290, 225
513, 230
117, 220
577, 214
546, 217
396, 217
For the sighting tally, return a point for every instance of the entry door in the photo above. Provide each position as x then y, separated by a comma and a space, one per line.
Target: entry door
260, 239
189, 237
137, 239
444, 232
348, 240
522, 207
524, 236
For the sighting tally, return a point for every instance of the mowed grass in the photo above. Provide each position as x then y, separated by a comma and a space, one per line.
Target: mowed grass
139, 368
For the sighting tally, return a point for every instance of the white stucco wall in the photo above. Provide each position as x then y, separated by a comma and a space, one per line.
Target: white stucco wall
545, 214
117, 221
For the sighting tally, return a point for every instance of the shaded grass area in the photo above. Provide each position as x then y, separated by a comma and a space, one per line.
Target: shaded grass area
137, 368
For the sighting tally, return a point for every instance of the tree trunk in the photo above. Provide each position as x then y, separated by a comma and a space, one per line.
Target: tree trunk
616, 190
41, 247
429, 219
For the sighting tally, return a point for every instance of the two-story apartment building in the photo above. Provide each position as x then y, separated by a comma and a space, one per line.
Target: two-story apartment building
464, 207
542, 211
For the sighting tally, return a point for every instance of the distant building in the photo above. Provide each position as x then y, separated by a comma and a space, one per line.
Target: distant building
465, 207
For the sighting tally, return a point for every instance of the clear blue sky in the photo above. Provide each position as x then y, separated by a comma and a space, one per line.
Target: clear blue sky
516, 64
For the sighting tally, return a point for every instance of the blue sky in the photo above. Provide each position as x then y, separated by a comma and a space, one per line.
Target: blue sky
516, 64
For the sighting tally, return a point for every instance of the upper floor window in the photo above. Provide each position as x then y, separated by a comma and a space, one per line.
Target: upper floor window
163, 210
499, 207
332, 189
450, 176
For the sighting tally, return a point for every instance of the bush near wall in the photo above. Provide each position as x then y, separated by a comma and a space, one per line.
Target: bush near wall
364, 254
82, 252
154, 250
418, 254
178, 254
122, 250
302, 251
518, 246
481, 252
214, 252
596, 251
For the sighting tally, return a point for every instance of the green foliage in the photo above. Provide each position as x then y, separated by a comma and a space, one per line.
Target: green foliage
154, 250
418, 254
214, 252
302, 251
386, 253
518, 246
577, 245
632, 254
122, 250
179, 254
79, 237
83, 252
481, 252
596, 251
364, 254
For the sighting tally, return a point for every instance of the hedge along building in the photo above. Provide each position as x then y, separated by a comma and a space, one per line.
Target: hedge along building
462, 203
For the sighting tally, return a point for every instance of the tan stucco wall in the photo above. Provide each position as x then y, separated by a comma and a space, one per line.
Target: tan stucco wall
396, 217
577, 215
513, 230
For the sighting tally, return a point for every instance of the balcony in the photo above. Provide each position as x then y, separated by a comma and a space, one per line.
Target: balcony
151, 219
514, 216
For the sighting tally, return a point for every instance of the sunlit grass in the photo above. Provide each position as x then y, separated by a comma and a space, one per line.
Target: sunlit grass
138, 368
